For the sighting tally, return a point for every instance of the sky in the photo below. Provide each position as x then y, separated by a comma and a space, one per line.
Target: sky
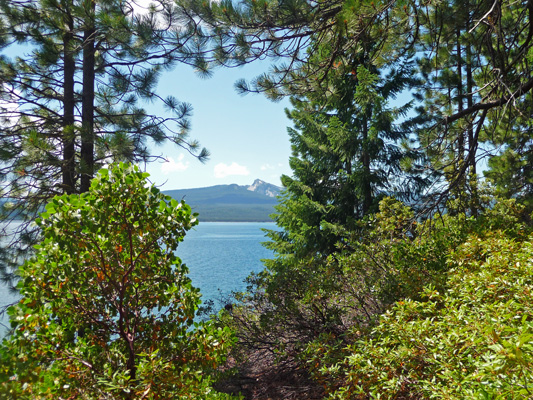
246, 135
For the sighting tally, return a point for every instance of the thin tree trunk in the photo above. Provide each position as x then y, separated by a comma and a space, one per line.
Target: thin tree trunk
365, 160
87, 114
460, 97
474, 202
69, 103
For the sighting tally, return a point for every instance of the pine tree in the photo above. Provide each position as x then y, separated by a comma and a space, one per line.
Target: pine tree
347, 153
511, 171
474, 64
73, 101
448, 75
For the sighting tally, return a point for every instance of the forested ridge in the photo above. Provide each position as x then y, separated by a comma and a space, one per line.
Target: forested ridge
403, 263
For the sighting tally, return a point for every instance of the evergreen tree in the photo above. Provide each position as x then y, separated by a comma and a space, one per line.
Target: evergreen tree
347, 154
474, 63
451, 72
511, 171
290, 31
72, 102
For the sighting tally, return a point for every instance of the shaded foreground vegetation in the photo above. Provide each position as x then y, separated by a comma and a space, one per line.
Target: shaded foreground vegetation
434, 310
107, 310
402, 309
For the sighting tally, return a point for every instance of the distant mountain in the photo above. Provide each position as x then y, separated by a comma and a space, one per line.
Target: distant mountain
234, 203
265, 188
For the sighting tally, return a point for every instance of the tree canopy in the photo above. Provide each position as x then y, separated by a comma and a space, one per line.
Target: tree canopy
73, 99
472, 63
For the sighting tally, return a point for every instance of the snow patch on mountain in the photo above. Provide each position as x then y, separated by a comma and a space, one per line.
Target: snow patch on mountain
265, 188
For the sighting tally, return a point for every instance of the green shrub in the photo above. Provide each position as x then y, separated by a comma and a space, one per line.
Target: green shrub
107, 309
472, 341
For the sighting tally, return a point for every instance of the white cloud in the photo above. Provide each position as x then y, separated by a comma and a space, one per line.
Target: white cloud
222, 170
264, 167
141, 7
270, 167
174, 166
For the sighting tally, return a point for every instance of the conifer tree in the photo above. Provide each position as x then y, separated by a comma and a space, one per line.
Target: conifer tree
511, 171
72, 101
347, 153
450, 76
474, 63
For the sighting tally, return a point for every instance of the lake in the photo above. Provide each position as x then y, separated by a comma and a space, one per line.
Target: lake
219, 255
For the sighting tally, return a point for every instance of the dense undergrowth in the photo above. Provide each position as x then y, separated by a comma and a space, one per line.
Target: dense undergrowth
473, 340
403, 310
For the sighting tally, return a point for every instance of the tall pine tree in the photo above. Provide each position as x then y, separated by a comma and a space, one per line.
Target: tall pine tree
474, 64
511, 170
73, 100
347, 153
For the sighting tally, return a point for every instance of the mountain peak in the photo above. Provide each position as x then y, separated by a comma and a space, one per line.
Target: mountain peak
265, 188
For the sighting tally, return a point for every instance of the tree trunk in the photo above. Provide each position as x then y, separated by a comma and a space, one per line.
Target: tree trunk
69, 102
460, 97
474, 202
87, 114
365, 160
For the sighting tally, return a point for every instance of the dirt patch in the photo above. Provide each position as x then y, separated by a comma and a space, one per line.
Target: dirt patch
259, 377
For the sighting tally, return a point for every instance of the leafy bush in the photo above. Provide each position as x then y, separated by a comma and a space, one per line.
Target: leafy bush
107, 309
326, 317
308, 308
474, 340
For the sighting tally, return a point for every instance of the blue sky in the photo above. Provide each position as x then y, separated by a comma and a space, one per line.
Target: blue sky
246, 135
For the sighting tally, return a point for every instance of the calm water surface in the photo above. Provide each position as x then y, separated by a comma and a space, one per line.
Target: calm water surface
219, 255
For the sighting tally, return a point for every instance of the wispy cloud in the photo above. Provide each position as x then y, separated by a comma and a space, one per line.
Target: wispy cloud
142, 7
222, 170
270, 167
264, 167
174, 166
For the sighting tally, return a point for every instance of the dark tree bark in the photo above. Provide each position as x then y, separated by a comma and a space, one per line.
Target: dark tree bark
69, 102
87, 130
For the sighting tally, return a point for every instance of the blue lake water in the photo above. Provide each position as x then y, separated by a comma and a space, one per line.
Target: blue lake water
219, 255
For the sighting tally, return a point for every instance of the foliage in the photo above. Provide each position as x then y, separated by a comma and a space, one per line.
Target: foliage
465, 335
310, 322
107, 309
511, 170
311, 301
72, 100
346, 155
474, 79
290, 32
